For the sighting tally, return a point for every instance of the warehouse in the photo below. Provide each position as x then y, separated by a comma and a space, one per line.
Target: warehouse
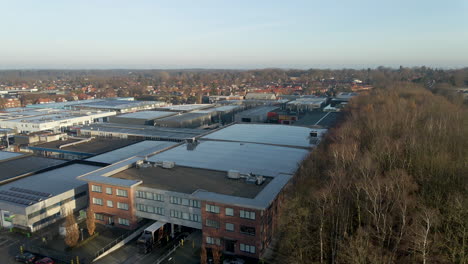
139, 132
36, 201
254, 115
140, 118
260, 96
34, 120
121, 106
78, 148
185, 120
186, 108
222, 114
302, 105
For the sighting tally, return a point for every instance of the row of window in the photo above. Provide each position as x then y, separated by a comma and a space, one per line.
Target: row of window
230, 211
185, 202
242, 247
185, 216
150, 209
247, 230
99, 201
121, 221
50, 207
150, 196
118, 192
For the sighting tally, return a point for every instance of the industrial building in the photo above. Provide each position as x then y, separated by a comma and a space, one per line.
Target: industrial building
120, 106
186, 108
302, 105
185, 120
254, 115
34, 120
141, 118
139, 132
222, 114
227, 185
78, 148
39, 200
260, 96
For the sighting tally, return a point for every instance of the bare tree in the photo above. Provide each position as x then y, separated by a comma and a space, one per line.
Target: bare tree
90, 221
203, 255
73, 235
216, 255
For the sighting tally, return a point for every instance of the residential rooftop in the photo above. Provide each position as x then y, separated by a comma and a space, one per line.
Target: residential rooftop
188, 180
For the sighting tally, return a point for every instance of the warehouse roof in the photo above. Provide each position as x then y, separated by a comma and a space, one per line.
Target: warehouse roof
187, 107
93, 146
182, 117
266, 160
264, 134
119, 104
145, 131
143, 148
147, 115
4, 155
51, 183
23, 165
263, 110
193, 179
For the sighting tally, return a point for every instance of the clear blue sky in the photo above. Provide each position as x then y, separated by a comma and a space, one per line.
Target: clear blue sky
232, 33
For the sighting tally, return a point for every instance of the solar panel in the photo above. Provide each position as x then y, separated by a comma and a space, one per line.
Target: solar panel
21, 195
13, 200
43, 194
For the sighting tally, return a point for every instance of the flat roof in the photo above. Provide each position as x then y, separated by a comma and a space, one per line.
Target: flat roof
264, 134
23, 165
260, 159
262, 110
187, 107
146, 131
118, 104
8, 155
182, 117
188, 180
51, 182
147, 115
94, 146
324, 119
143, 148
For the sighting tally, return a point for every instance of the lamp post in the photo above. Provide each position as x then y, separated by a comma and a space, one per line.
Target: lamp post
81, 229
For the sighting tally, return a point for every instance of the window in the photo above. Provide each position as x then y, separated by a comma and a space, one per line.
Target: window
229, 212
247, 214
97, 201
175, 200
150, 196
194, 203
108, 190
185, 202
122, 206
122, 193
229, 227
248, 230
194, 218
212, 208
96, 188
123, 221
176, 214
213, 240
150, 209
247, 248
110, 203
212, 223
99, 217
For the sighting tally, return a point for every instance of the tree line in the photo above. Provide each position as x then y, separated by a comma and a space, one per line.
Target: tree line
388, 185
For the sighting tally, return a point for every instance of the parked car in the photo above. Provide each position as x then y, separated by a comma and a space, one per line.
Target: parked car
234, 261
45, 261
26, 257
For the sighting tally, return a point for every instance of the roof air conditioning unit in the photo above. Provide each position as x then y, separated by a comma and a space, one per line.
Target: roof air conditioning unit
168, 164
233, 174
313, 134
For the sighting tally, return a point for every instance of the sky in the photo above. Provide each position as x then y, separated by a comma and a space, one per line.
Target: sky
240, 34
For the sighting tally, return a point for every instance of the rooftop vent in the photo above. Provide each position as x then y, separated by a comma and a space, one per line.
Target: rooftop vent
233, 174
168, 164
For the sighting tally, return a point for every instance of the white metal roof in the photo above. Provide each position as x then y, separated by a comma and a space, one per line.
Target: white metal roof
8, 155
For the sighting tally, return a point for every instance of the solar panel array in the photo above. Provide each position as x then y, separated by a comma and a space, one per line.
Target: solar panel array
15, 200
21, 195
22, 190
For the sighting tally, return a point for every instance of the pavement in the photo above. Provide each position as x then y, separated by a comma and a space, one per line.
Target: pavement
187, 254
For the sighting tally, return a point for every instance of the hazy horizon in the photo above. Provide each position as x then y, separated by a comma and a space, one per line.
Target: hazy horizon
233, 35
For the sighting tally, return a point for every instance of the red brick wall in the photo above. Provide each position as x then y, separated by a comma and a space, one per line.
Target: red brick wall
222, 233
114, 211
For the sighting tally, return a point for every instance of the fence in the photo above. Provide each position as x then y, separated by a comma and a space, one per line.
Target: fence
111, 244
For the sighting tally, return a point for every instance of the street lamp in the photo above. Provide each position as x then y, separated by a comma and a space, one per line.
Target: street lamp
81, 229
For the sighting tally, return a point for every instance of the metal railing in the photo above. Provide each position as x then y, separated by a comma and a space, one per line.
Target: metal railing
111, 244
